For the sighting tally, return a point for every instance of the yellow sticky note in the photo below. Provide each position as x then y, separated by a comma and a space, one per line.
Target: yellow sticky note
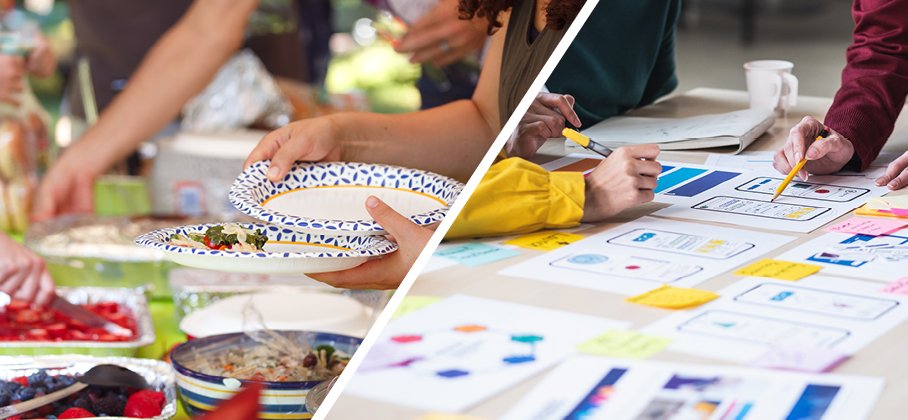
413, 303
624, 344
778, 269
669, 297
545, 241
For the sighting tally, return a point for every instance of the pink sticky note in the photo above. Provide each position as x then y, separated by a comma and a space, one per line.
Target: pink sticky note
899, 212
812, 360
865, 226
899, 287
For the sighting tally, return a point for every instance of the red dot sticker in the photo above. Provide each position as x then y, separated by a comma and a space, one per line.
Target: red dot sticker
822, 191
406, 338
632, 267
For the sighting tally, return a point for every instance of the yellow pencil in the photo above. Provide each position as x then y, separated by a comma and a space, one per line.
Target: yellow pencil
797, 168
586, 142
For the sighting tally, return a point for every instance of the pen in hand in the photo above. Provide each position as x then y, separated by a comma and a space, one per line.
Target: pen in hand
797, 168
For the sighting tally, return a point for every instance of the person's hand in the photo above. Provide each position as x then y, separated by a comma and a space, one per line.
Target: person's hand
313, 140
68, 188
12, 78
625, 179
440, 37
388, 271
23, 274
896, 176
544, 120
823, 157
41, 60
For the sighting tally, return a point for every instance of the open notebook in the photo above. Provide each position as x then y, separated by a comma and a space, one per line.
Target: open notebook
738, 129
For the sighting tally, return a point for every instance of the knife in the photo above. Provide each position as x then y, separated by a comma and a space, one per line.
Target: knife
87, 317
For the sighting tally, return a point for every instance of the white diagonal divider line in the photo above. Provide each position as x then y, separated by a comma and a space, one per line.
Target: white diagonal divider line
423, 259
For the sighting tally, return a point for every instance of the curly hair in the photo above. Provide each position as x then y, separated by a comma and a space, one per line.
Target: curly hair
558, 13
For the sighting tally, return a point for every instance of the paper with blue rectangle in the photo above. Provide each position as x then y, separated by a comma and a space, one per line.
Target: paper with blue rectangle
472, 254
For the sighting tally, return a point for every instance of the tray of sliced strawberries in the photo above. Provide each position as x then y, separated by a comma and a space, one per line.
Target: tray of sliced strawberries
29, 330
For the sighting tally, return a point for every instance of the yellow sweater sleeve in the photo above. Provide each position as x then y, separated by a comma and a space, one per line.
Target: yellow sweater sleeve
517, 196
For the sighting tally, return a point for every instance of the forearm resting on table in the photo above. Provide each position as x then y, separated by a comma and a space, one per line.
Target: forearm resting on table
449, 140
178, 67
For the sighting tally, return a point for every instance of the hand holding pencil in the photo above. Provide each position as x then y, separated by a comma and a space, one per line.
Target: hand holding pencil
824, 157
798, 167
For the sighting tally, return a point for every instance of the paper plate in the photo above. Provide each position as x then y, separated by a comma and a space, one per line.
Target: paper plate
287, 251
326, 312
329, 198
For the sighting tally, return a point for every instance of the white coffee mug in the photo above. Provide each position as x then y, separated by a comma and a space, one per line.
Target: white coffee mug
771, 85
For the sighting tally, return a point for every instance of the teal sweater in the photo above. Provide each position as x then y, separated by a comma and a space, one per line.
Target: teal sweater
622, 58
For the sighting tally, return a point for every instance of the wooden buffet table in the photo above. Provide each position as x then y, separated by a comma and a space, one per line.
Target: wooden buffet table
882, 358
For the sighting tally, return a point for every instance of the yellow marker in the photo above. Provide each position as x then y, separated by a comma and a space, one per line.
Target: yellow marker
586, 142
794, 171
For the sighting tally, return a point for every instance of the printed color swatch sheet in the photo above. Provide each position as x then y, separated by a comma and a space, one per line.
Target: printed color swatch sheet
881, 258
455, 353
586, 387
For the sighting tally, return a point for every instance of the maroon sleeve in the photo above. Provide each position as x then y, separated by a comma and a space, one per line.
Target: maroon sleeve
875, 80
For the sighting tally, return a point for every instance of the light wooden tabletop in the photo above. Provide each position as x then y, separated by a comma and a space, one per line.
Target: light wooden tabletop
882, 358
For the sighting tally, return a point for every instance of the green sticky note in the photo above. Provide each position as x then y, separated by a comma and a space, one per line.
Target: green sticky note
413, 303
624, 344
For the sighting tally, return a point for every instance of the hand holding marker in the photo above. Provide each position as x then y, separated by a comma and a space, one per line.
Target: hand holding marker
797, 168
586, 142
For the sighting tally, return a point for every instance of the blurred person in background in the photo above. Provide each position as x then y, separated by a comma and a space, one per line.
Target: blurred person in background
23, 274
450, 139
147, 60
625, 50
867, 104
448, 48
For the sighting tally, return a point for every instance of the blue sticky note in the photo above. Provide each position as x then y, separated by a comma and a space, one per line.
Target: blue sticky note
476, 253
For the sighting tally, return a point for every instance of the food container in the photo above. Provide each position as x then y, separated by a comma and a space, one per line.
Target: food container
194, 289
200, 393
129, 298
99, 251
280, 310
158, 374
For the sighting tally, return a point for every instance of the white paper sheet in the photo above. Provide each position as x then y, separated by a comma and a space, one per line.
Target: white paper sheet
753, 315
643, 130
587, 387
455, 353
646, 253
876, 258
803, 207
762, 160
743, 160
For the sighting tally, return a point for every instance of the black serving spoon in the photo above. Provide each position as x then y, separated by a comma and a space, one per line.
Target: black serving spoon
100, 375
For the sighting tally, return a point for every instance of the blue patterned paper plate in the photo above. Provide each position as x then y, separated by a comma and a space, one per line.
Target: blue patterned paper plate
329, 198
286, 252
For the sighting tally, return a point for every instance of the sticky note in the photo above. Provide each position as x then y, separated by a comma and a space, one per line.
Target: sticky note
888, 202
624, 344
865, 226
898, 287
669, 297
865, 211
801, 359
545, 241
412, 303
476, 253
778, 269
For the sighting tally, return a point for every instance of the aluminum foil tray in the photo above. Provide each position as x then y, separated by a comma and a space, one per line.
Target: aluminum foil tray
129, 298
158, 374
